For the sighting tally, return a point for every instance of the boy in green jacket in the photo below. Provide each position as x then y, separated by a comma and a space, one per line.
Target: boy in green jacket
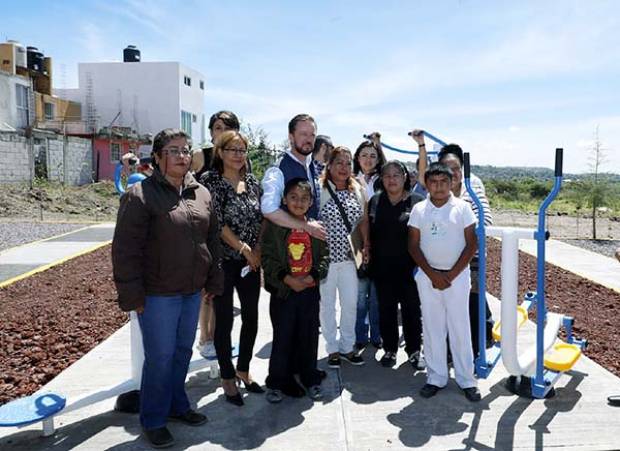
294, 263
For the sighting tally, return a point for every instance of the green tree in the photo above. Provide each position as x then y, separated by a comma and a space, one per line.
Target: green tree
261, 152
597, 186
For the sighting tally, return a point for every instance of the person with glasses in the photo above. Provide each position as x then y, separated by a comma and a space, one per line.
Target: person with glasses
367, 163
166, 249
237, 196
219, 123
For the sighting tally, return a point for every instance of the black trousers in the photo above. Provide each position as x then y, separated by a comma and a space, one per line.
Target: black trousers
294, 348
473, 321
391, 292
248, 289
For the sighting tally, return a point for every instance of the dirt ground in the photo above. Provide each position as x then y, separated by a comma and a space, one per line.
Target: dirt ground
53, 318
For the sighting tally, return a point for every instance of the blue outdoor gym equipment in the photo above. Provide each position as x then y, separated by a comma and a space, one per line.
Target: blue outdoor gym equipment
533, 373
131, 180
413, 152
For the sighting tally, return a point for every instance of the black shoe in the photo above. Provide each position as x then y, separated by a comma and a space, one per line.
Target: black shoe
159, 437
352, 358
191, 418
429, 390
388, 360
235, 399
333, 361
293, 390
472, 394
377, 344
252, 387
359, 346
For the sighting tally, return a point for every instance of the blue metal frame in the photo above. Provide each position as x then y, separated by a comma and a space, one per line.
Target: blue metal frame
484, 366
414, 152
541, 384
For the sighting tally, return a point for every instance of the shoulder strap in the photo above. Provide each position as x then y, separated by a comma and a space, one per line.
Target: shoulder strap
343, 214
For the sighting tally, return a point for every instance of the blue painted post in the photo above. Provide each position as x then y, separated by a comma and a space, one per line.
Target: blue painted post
538, 383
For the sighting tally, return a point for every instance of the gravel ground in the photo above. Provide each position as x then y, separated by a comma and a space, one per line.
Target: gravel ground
16, 233
604, 247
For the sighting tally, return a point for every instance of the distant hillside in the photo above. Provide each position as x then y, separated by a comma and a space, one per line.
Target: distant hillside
511, 173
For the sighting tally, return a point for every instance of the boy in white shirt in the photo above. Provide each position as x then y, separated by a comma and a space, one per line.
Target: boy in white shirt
442, 241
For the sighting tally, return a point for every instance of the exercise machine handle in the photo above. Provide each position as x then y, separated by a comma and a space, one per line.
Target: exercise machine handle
559, 153
466, 167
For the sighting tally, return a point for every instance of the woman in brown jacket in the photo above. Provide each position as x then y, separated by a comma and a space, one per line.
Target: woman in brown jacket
166, 249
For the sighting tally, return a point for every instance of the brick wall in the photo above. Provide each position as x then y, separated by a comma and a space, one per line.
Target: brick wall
14, 164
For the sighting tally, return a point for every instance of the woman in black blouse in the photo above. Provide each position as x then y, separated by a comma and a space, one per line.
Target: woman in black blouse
236, 194
392, 267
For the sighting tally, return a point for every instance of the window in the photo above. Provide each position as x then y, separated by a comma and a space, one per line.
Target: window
49, 111
186, 122
115, 152
187, 81
23, 112
202, 85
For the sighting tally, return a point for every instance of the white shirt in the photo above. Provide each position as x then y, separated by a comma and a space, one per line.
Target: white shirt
442, 237
273, 185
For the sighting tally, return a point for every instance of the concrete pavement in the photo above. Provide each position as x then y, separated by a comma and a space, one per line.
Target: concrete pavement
590, 265
23, 261
367, 407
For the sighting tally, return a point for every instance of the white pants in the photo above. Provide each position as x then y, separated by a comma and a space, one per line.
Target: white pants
446, 313
341, 277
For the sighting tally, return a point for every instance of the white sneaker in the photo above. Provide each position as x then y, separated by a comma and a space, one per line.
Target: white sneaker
207, 350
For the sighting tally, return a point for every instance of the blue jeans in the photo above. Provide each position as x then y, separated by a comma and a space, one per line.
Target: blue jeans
168, 326
367, 312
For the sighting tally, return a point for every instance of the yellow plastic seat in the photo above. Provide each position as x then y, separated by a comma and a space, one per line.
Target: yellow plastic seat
562, 357
521, 319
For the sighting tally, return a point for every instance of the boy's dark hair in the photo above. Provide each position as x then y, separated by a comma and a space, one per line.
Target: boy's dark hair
227, 117
298, 182
451, 149
401, 166
292, 125
438, 169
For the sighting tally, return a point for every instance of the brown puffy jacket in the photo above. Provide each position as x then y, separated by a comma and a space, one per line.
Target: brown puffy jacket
165, 243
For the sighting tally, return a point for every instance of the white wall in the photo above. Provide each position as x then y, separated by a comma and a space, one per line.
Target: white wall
192, 99
8, 99
145, 94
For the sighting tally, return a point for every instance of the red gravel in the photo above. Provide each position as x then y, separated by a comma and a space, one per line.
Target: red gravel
53, 318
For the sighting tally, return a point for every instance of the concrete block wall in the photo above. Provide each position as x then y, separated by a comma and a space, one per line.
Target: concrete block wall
78, 160
14, 163
74, 167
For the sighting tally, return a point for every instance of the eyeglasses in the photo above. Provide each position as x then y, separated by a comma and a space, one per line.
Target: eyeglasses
236, 151
176, 152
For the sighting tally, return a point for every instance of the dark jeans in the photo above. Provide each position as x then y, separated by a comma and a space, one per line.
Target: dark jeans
168, 326
248, 289
295, 322
473, 321
391, 293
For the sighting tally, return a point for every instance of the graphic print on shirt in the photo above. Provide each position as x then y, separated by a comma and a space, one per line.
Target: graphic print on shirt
337, 233
299, 248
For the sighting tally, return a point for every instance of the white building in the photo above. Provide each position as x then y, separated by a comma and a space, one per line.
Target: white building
146, 96
16, 108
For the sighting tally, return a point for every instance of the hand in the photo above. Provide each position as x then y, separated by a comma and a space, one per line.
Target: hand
440, 280
366, 254
252, 256
309, 281
295, 283
375, 137
209, 297
418, 136
316, 229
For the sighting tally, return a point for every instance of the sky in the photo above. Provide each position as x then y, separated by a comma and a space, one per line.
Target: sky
508, 81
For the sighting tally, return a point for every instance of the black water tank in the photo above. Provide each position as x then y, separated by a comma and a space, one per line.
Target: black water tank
35, 59
131, 54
